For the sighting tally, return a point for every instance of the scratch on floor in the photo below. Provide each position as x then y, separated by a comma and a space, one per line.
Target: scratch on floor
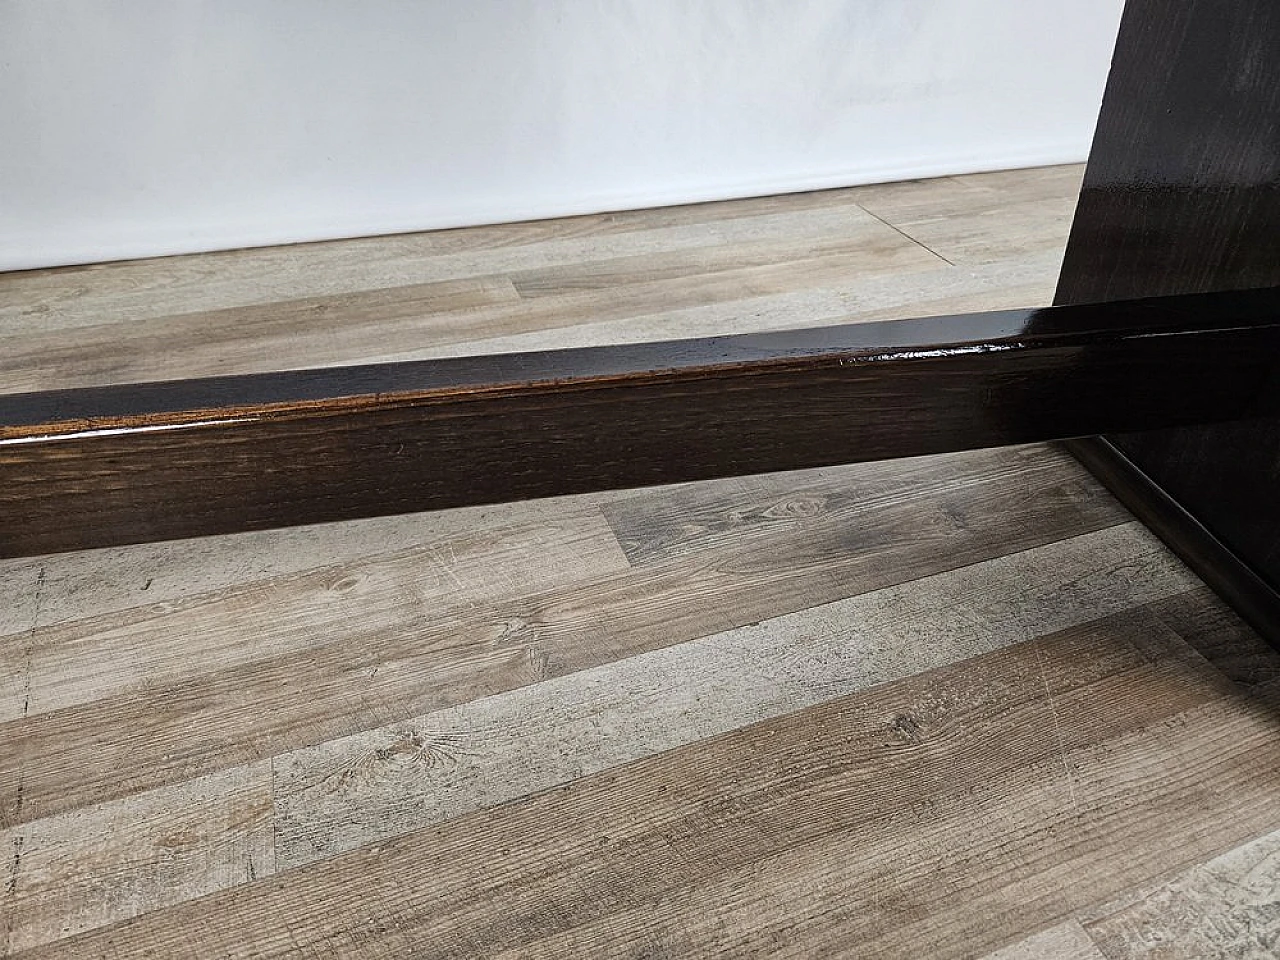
447, 566
28, 655
10, 890
1057, 729
11, 886
29, 650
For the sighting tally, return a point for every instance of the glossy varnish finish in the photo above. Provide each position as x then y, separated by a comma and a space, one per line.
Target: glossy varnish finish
111, 465
1182, 195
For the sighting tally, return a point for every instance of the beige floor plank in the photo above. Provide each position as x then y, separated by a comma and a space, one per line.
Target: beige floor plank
1066, 941
89, 584
983, 218
1227, 907
159, 645
971, 195
959, 874
852, 230
115, 860
659, 854
854, 296
359, 789
64, 297
296, 336
145, 290
995, 234
365, 675
666, 523
626, 221
37, 301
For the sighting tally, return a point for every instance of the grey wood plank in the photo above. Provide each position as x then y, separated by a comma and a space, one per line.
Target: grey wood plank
38, 301
824, 299
1227, 907
1066, 941
613, 277
369, 786
960, 874
118, 859
361, 676
81, 297
176, 842
292, 335
819, 831
668, 523
90, 584
163, 643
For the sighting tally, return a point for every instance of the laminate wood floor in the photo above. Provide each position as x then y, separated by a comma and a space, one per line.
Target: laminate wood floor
956, 706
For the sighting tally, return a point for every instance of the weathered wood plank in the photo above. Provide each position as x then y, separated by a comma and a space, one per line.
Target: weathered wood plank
244, 340
162, 643
961, 873
1066, 941
1219, 634
90, 584
372, 785
369, 787
782, 838
105, 863
1228, 906
84, 297
359, 678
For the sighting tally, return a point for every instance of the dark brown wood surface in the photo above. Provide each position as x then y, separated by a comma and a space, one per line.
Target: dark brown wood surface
126, 464
1182, 195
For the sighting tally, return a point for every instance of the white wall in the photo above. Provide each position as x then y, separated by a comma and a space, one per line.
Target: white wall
138, 127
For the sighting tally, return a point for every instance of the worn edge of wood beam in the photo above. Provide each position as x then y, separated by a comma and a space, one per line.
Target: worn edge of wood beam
105, 466
1238, 584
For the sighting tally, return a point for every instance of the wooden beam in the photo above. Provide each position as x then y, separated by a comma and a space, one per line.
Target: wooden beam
1182, 195
123, 464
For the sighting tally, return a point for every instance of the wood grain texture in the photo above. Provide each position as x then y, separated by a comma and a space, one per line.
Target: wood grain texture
376, 784
123, 653
112, 465
88, 296
1066, 941
763, 824
1228, 906
87, 585
375, 667
429, 295
520, 647
1182, 194
114, 860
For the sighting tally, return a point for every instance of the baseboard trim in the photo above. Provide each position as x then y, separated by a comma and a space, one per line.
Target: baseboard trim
1215, 563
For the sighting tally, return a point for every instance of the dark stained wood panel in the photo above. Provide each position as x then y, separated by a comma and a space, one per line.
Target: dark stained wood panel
111, 465
1182, 190
1182, 195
